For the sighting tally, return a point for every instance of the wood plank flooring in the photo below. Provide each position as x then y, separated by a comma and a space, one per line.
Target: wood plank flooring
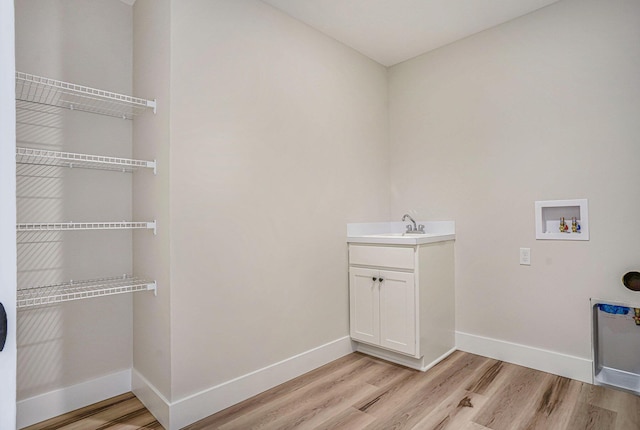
124, 412
464, 392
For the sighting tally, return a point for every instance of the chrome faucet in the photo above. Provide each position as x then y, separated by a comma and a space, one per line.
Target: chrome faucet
404, 218
415, 229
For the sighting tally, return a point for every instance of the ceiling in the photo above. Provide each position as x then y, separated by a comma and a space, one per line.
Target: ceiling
392, 31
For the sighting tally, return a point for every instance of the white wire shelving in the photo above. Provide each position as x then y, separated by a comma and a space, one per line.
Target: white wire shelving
75, 226
77, 290
69, 159
51, 92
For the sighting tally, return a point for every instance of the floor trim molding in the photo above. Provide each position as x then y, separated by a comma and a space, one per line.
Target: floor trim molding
200, 405
57, 402
180, 413
151, 398
404, 360
185, 411
553, 362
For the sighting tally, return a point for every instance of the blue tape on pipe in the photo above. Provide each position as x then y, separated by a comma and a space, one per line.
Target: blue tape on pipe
613, 309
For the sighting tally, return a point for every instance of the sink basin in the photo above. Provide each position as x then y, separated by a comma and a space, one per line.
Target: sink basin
400, 238
393, 233
399, 235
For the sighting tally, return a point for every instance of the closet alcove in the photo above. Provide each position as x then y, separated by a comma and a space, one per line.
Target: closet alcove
76, 223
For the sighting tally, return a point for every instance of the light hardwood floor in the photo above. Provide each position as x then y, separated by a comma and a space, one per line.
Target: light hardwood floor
464, 392
124, 412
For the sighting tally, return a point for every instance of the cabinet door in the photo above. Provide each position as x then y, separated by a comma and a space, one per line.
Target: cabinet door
364, 303
398, 311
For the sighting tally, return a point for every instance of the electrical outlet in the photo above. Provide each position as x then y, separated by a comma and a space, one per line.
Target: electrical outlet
525, 256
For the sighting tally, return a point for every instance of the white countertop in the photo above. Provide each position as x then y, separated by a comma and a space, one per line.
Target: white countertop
392, 233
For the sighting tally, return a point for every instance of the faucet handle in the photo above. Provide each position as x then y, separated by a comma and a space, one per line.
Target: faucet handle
421, 228
409, 228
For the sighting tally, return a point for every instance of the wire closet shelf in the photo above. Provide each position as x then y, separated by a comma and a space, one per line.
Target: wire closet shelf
77, 290
43, 157
51, 92
74, 226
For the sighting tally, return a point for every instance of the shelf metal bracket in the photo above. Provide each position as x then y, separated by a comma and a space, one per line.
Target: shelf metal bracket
153, 286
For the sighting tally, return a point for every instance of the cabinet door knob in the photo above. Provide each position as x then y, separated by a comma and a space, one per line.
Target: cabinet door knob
375, 279
381, 279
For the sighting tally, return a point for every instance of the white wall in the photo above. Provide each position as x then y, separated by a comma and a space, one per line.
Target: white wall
543, 107
90, 43
278, 139
152, 315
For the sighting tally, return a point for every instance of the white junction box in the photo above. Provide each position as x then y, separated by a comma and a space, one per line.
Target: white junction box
550, 214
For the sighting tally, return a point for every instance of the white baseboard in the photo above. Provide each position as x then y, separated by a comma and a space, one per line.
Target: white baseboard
394, 357
540, 359
151, 398
190, 409
48, 405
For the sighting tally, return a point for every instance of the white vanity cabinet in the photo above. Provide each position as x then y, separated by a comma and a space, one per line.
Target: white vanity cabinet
401, 301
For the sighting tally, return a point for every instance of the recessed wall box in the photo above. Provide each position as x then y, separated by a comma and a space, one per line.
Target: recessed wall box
551, 213
615, 343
